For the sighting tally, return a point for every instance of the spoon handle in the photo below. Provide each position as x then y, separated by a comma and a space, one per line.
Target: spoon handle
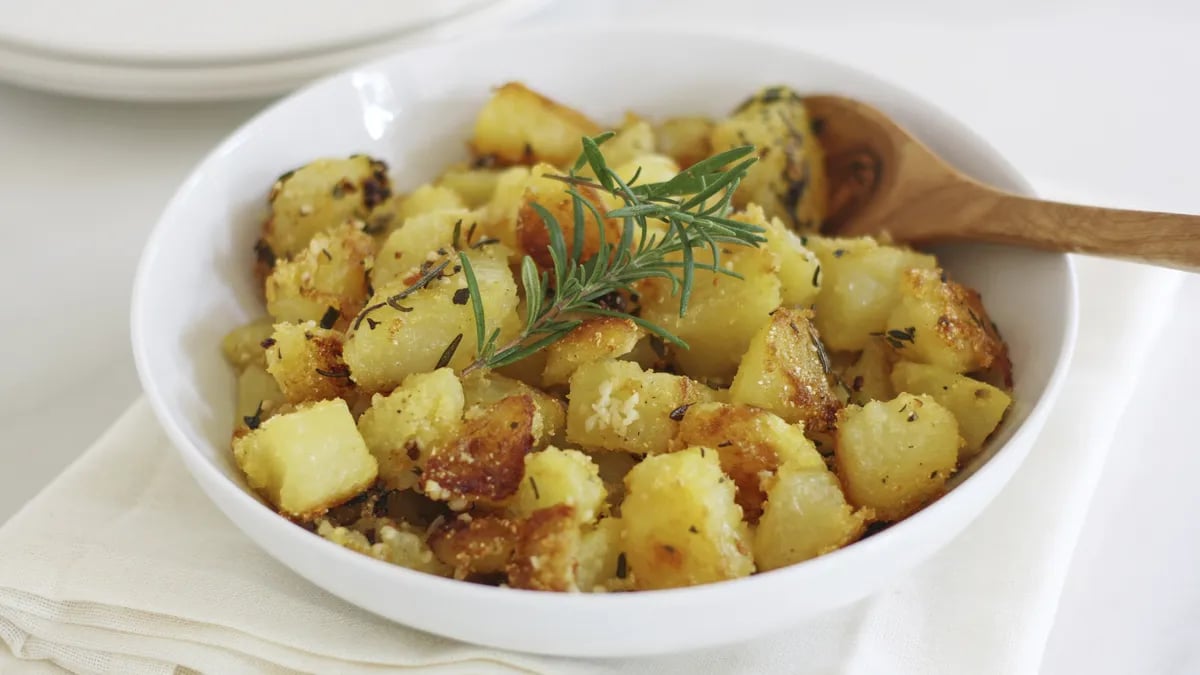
1164, 239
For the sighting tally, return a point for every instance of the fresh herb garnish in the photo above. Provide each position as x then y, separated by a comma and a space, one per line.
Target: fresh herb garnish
694, 205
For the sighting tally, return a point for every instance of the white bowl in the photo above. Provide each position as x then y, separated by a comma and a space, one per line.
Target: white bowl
415, 110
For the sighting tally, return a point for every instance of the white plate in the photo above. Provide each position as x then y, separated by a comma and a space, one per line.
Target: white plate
211, 81
414, 110
209, 32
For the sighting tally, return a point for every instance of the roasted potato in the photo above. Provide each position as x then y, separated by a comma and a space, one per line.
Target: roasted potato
474, 546
788, 181
308, 460
895, 456
306, 362
319, 196
474, 186
869, 378
483, 388
596, 339
786, 371
806, 515
942, 323
615, 405
486, 461
977, 406
686, 140
723, 314
750, 443
258, 396
553, 477
242, 346
325, 282
860, 286
388, 341
682, 525
402, 428
520, 126
395, 543
425, 239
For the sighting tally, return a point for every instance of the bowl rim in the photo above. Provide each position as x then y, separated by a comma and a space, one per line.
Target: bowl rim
232, 497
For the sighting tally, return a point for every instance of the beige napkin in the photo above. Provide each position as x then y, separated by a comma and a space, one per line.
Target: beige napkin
123, 566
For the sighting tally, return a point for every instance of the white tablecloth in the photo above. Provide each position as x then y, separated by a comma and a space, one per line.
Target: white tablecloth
1092, 101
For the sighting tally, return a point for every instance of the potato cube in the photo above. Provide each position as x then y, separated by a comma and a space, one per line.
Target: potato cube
547, 551
520, 126
615, 405
600, 566
242, 346
258, 396
424, 239
633, 139
306, 361
788, 180
319, 196
942, 323
649, 168
305, 462
685, 139
682, 525
486, 462
869, 377
894, 457
806, 515
402, 428
723, 313
596, 339
483, 388
976, 405
326, 281
860, 286
388, 342
475, 187
553, 477
475, 545
786, 372
751, 445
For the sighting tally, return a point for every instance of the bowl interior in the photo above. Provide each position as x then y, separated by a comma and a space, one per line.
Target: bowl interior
415, 111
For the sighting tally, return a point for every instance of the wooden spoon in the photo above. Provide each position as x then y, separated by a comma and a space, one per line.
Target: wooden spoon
882, 179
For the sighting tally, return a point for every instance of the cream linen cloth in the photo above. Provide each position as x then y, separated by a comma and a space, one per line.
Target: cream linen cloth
123, 566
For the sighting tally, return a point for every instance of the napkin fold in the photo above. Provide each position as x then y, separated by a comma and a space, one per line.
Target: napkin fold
122, 565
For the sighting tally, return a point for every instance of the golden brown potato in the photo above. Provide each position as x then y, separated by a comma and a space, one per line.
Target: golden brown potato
402, 428
894, 457
860, 286
786, 371
486, 462
806, 515
869, 377
325, 282
306, 361
533, 237
319, 196
547, 550
942, 323
475, 545
520, 126
788, 180
388, 341
258, 397
596, 339
424, 239
687, 140
601, 565
306, 461
483, 388
751, 445
396, 543
634, 138
615, 405
474, 186
242, 346
682, 525
976, 405
723, 313
554, 477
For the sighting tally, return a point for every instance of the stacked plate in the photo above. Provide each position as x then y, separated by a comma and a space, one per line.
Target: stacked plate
219, 49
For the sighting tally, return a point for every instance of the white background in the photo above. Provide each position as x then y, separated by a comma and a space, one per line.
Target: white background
1092, 101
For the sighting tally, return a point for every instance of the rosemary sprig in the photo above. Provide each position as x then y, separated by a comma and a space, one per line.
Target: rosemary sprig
693, 204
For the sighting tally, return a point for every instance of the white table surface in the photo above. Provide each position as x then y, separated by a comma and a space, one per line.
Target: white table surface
1094, 101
